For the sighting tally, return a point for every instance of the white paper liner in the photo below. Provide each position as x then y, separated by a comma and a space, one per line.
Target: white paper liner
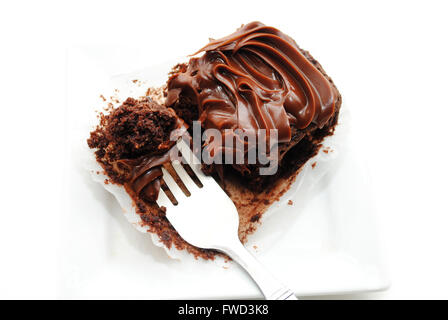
299, 193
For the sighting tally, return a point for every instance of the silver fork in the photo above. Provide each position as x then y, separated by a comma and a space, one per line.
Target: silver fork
208, 219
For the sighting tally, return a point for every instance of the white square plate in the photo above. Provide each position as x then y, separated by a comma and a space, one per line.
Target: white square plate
327, 245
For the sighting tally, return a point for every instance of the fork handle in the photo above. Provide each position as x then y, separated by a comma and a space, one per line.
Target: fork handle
271, 288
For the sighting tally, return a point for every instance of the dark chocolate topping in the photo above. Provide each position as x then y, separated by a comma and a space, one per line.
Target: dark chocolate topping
145, 174
255, 78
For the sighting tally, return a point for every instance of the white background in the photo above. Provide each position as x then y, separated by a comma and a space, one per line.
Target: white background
387, 58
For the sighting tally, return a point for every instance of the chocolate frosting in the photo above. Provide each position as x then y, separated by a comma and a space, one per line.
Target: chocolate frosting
255, 78
145, 173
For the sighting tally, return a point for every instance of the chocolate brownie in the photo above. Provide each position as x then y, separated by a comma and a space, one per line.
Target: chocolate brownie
256, 78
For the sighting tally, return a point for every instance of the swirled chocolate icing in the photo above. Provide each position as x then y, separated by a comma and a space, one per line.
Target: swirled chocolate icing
255, 78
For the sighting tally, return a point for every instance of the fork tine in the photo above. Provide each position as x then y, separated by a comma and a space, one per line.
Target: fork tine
163, 200
184, 176
173, 186
193, 162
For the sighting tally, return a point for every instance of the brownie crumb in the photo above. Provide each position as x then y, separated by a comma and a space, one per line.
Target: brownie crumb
255, 217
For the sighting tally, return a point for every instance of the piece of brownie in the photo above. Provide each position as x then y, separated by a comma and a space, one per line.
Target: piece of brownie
135, 129
132, 143
256, 78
